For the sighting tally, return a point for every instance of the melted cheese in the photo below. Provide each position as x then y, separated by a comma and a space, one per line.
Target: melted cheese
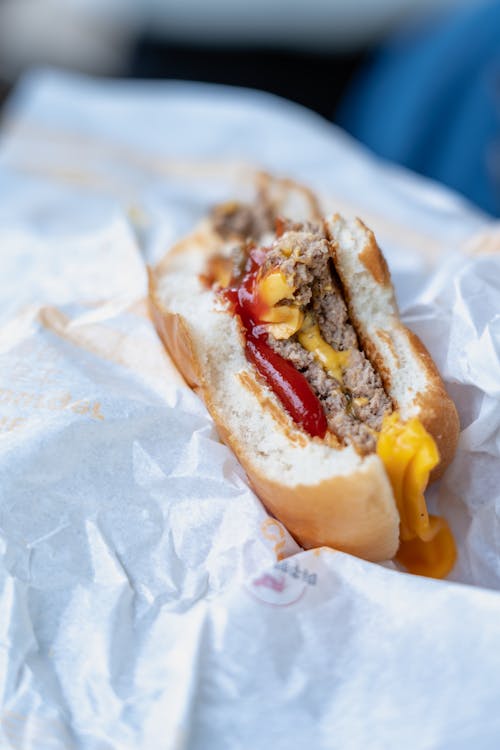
434, 557
312, 340
283, 320
409, 454
273, 287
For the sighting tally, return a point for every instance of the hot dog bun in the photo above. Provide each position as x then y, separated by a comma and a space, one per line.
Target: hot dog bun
324, 492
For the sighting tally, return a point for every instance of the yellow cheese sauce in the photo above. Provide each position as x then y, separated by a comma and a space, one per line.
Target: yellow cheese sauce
283, 320
409, 454
274, 287
310, 338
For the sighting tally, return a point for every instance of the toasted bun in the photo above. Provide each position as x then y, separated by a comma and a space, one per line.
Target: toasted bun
324, 493
408, 373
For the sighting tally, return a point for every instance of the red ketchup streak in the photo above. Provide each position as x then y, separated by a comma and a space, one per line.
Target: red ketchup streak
289, 385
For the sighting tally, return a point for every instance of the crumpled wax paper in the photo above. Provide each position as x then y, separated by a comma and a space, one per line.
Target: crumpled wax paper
147, 600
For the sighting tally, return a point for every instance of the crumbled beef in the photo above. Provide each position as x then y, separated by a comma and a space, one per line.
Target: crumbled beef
341, 416
330, 309
300, 256
354, 408
244, 220
287, 225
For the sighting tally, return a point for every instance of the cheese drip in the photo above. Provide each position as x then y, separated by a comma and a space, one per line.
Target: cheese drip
409, 454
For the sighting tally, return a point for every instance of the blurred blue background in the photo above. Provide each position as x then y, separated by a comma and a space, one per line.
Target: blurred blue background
429, 98
418, 81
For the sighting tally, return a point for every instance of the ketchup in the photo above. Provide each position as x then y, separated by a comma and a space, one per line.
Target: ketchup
289, 385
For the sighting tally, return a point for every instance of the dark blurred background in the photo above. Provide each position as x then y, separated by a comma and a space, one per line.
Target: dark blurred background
418, 81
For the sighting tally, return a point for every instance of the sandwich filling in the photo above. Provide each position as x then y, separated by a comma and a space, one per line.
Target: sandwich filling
295, 301
325, 348
299, 336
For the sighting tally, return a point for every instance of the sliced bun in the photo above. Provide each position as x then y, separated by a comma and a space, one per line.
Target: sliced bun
408, 373
324, 493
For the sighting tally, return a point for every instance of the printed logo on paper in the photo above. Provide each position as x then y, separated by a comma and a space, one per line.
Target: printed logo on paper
282, 585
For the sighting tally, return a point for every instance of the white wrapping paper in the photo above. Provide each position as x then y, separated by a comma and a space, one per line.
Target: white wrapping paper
147, 600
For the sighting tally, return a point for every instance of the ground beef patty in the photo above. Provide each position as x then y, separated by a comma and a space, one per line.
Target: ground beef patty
243, 220
354, 408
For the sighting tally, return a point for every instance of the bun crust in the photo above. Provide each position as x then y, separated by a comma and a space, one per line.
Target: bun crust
355, 513
324, 493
